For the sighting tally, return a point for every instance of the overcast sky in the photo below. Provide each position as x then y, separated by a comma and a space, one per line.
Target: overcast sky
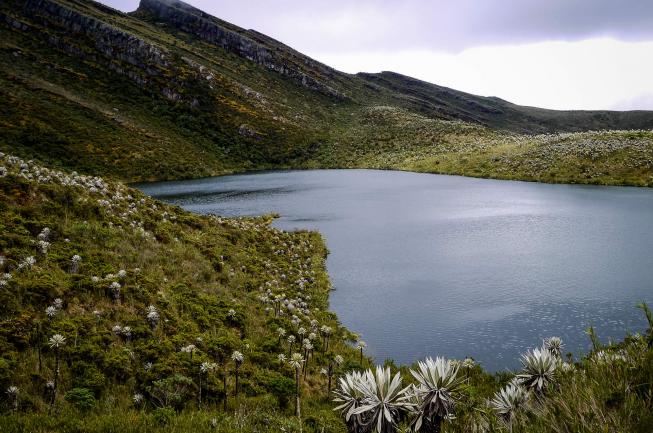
563, 54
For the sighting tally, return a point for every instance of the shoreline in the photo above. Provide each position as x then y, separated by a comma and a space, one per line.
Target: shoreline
135, 184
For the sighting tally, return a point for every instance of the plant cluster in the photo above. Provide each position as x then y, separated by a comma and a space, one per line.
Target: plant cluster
440, 397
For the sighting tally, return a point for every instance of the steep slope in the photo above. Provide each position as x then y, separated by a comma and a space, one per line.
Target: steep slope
249, 44
170, 92
106, 92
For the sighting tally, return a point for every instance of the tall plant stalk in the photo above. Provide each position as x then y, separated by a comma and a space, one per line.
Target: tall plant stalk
297, 362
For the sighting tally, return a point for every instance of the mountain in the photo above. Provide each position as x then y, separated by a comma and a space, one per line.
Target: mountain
170, 92
441, 102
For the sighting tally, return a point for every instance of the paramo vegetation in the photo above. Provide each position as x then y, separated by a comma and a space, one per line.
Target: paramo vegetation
154, 95
609, 389
112, 302
120, 313
389, 137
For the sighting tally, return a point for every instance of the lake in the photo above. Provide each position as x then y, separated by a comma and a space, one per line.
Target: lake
425, 264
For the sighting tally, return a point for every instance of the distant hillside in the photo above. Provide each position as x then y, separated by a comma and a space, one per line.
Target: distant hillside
441, 102
170, 92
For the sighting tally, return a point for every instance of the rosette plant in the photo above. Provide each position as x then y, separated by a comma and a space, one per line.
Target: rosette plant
508, 402
539, 370
554, 345
438, 390
349, 396
238, 358
56, 342
385, 400
297, 362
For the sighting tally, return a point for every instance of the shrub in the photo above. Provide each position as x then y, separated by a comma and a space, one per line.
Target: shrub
87, 376
171, 391
82, 398
163, 415
282, 388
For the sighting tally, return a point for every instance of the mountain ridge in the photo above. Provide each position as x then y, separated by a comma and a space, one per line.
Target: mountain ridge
246, 43
170, 92
498, 106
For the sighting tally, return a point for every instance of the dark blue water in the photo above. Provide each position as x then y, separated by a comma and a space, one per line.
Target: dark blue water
440, 265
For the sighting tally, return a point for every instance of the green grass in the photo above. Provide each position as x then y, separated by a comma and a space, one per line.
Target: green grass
206, 276
193, 269
392, 138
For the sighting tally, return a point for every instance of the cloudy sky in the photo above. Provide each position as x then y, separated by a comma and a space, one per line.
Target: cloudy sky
563, 54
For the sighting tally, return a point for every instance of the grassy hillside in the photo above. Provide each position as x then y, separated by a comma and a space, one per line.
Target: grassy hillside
217, 286
120, 313
386, 137
169, 92
441, 102
115, 109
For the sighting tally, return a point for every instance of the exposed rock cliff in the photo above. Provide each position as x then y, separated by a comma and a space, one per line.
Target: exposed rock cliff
249, 44
116, 49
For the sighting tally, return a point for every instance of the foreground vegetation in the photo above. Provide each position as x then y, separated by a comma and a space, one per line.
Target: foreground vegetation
123, 314
112, 302
609, 390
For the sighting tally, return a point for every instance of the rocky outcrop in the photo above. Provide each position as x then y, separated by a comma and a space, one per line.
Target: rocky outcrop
111, 42
73, 31
248, 44
249, 132
99, 43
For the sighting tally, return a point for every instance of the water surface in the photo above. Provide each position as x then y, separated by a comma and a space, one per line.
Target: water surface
443, 265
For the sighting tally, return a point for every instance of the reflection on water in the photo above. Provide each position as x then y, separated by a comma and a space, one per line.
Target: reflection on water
442, 265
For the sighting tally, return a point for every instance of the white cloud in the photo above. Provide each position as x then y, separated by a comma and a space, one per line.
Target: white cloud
430, 24
640, 102
590, 74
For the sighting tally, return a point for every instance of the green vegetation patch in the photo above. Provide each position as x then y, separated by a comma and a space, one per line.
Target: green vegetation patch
114, 303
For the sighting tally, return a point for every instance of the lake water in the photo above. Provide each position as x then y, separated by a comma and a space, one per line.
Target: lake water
433, 265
